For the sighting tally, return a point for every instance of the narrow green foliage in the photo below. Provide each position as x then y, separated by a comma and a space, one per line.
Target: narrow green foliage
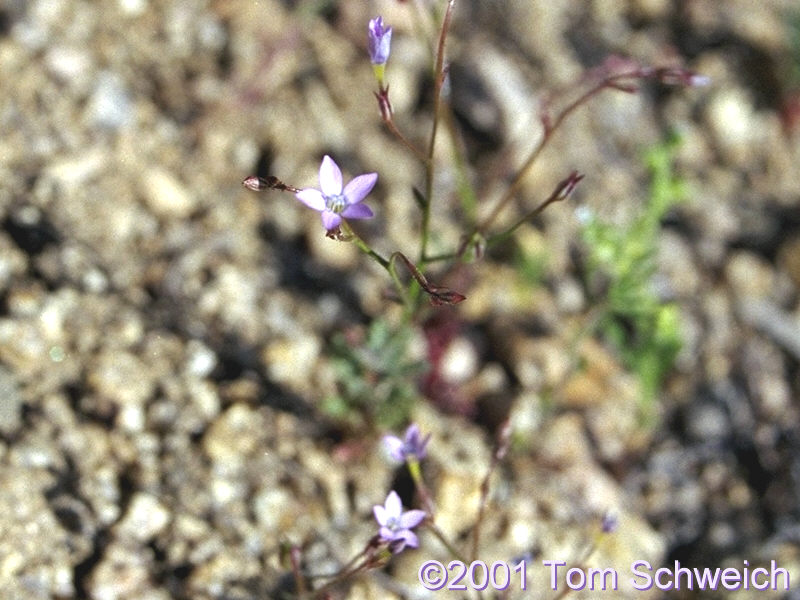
644, 330
375, 379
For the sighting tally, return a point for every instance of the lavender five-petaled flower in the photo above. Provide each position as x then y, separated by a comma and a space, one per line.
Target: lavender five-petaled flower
412, 444
395, 524
333, 201
380, 41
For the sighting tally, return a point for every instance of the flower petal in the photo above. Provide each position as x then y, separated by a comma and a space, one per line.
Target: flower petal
394, 447
394, 508
409, 536
357, 190
412, 518
380, 39
330, 220
357, 211
412, 435
330, 177
422, 451
311, 198
397, 546
380, 514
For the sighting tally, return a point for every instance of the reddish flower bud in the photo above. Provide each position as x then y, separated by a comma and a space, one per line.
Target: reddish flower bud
440, 296
258, 184
566, 187
255, 183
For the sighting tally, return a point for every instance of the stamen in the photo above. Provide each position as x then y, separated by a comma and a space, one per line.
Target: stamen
335, 204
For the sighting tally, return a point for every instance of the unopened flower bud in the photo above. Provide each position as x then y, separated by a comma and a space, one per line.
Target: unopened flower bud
255, 183
270, 182
567, 186
379, 42
681, 76
441, 296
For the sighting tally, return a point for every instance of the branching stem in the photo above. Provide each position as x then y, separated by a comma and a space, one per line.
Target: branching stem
439, 74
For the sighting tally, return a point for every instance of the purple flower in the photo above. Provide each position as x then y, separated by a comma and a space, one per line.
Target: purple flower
333, 201
395, 524
412, 445
609, 523
380, 40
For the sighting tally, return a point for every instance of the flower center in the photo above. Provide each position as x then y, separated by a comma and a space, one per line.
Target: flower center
392, 523
335, 204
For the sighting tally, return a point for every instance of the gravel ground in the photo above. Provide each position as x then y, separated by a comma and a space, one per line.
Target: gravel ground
166, 335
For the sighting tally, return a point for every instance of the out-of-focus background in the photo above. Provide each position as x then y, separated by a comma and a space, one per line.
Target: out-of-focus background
187, 367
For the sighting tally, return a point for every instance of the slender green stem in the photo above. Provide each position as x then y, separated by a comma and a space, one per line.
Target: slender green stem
500, 451
404, 140
439, 75
497, 237
610, 82
416, 474
388, 264
438, 294
562, 192
352, 236
387, 114
398, 284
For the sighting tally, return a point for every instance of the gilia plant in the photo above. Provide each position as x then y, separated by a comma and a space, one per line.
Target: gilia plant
338, 204
376, 378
